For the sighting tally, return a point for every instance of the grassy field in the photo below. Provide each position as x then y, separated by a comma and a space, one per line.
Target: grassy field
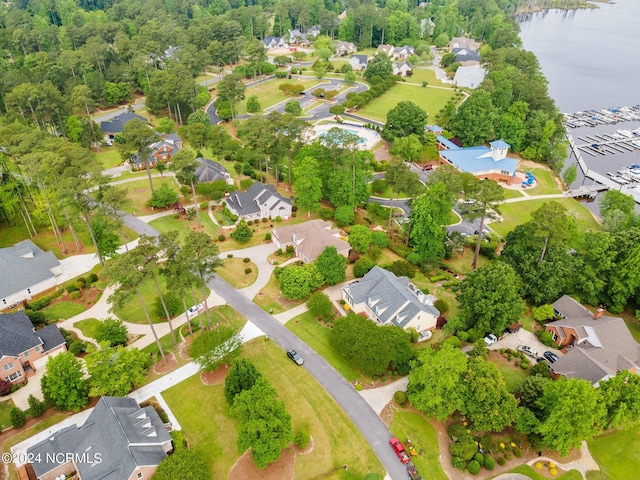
109, 157
88, 327
205, 418
10, 235
517, 213
271, 300
423, 436
546, 183
422, 74
269, 94
139, 193
5, 407
508, 193
318, 337
617, 453
534, 475
63, 310
233, 270
430, 99
462, 263
513, 376
184, 226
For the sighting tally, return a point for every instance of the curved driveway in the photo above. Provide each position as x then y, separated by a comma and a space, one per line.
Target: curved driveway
366, 420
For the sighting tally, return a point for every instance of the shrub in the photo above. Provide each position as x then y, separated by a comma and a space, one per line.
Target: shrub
37, 318
92, 278
290, 250
247, 271
400, 397
517, 452
379, 239
17, 416
473, 467
453, 341
246, 260
70, 288
75, 295
77, 347
359, 387
326, 213
229, 255
267, 236
5, 387
458, 462
489, 462
113, 331
362, 266
441, 305
36, 407
478, 457
524, 365
278, 218
221, 238
501, 461
508, 456
81, 282
302, 439
344, 216
249, 222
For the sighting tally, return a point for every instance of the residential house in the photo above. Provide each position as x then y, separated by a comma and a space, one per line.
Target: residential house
402, 53
466, 57
26, 270
115, 126
597, 346
314, 30
23, 349
210, 171
259, 201
483, 162
470, 77
464, 42
161, 151
119, 441
387, 49
403, 69
274, 42
344, 48
390, 300
296, 37
309, 239
358, 62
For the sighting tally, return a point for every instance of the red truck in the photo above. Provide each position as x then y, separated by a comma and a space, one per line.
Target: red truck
400, 451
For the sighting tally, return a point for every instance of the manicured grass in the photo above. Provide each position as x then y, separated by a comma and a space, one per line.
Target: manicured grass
462, 263
88, 327
513, 376
271, 300
184, 226
509, 193
517, 213
12, 234
430, 99
5, 407
336, 440
109, 157
423, 74
233, 270
63, 310
546, 182
534, 475
318, 337
269, 94
139, 193
424, 437
617, 453
453, 218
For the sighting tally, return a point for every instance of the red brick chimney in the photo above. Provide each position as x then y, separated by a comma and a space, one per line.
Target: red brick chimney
599, 312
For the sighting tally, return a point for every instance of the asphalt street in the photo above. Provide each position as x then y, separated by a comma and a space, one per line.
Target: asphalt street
368, 422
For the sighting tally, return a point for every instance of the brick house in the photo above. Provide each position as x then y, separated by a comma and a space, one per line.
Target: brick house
161, 151
309, 239
23, 349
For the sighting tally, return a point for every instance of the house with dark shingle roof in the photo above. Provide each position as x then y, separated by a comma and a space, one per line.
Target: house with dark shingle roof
115, 126
309, 239
161, 151
402, 53
25, 271
23, 349
119, 441
358, 62
259, 201
597, 347
390, 300
210, 171
466, 57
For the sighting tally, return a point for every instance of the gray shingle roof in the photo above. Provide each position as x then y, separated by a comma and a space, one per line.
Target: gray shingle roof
51, 336
209, 171
466, 55
362, 59
248, 202
125, 435
312, 237
17, 335
389, 297
116, 124
24, 265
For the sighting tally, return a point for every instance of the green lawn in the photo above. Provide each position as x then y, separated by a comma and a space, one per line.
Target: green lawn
546, 182
517, 213
63, 310
423, 74
233, 271
617, 453
5, 407
270, 298
184, 226
430, 99
423, 436
88, 327
109, 157
513, 376
206, 421
318, 337
269, 94
534, 475
509, 193
139, 193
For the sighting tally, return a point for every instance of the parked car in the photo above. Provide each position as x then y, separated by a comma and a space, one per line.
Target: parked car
293, 355
195, 310
426, 168
527, 350
551, 357
491, 338
425, 335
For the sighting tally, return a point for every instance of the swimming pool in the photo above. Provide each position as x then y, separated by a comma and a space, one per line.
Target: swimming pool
359, 140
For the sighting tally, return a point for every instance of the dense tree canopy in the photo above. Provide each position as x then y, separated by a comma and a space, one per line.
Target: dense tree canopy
64, 385
403, 120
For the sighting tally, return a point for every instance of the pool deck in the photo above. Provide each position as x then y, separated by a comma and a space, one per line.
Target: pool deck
371, 137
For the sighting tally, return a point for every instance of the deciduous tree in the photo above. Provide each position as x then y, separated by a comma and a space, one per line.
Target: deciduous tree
63, 385
242, 375
115, 371
215, 347
404, 119
331, 265
112, 331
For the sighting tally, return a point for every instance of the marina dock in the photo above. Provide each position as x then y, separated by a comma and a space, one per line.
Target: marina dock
608, 116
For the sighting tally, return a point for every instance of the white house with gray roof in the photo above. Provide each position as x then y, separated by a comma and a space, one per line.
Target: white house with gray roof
25, 271
391, 300
259, 201
119, 441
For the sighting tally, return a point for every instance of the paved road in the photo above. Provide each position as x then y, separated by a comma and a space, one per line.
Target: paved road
362, 415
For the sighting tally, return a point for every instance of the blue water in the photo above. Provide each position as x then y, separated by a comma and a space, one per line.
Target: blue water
353, 132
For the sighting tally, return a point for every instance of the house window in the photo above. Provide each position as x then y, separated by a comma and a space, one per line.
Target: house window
37, 348
26, 354
505, 172
15, 376
8, 366
140, 475
554, 335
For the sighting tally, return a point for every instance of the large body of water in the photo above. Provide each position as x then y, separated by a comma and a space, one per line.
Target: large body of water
591, 59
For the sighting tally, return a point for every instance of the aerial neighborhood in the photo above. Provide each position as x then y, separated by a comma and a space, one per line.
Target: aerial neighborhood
290, 240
